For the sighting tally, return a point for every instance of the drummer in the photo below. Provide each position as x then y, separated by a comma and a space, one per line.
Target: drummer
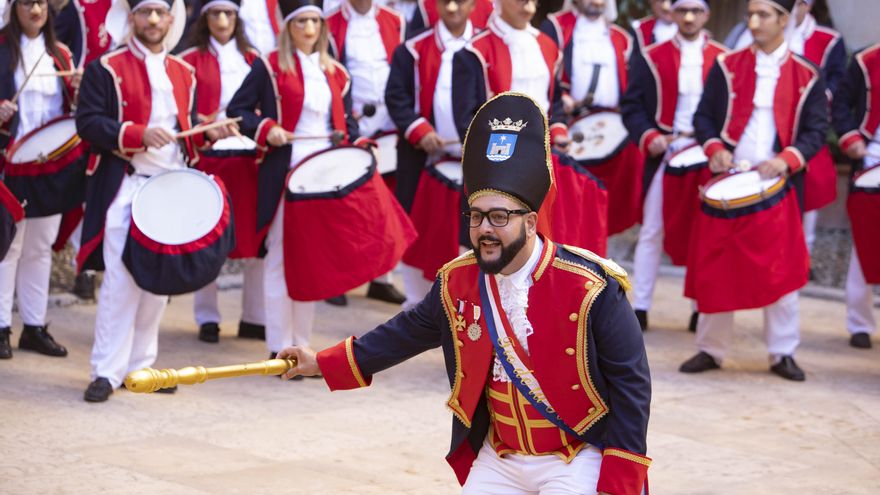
222, 56
596, 56
419, 96
739, 126
663, 125
318, 86
857, 122
28, 44
134, 147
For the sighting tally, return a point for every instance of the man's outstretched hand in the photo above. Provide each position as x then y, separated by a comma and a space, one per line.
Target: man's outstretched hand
306, 362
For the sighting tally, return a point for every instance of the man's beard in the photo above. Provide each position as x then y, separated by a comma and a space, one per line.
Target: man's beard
593, 12
507, 252
144, 38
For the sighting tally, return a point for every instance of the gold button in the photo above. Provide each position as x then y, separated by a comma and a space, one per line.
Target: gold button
592, 410
569, 351
573, 317
575, 387
588, 284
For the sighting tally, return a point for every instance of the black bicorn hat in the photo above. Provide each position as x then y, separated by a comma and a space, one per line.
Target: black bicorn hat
507, 151
290, 8
784, 5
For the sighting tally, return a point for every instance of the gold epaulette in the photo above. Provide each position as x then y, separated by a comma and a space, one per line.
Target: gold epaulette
456, 261
610, 267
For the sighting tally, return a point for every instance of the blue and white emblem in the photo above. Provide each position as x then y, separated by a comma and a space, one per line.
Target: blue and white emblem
500, 147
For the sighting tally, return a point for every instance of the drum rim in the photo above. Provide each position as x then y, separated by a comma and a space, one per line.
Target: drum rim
211, 180
52, 155
743, 202
338, 193
434, 172
595, 161
384, 134
856, 176
683, 150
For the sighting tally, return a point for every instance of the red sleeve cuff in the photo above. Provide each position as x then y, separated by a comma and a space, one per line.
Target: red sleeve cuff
340, 370
131, 138
849, 139
417, 130
793, 157
647, 138
558, 131
263, 132
623, 472
713, 146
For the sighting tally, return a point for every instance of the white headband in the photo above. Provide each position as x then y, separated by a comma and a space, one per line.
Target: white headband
304, 8
218, 3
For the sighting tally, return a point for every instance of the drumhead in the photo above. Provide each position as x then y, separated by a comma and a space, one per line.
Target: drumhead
869, 179
742, 185
234, 143
177, 206
688, 157
387, 159
603, 135
42, 143
451, 170
330, 170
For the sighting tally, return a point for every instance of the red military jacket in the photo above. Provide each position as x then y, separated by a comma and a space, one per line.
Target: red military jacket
392, 28
796, 81
664, 61
427, 52
644, 30
96, 40
865, 68
570, 309
207, 69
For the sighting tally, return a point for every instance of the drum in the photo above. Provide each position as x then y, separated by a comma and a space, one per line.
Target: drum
342, 225
739, 194
684, 173
10, 214
436, 215
863, 206
46, 168
234, 161
181, 232
579, 213
597, 137
386, 158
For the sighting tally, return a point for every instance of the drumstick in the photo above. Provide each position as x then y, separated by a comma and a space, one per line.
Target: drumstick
206, 127
60, 73
27, 78
336, 137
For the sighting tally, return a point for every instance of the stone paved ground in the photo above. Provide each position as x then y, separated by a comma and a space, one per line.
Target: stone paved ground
738, 431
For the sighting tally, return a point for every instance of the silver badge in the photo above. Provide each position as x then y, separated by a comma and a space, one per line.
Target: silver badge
474, 332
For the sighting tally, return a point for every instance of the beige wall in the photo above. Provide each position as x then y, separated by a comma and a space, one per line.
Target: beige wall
858, 20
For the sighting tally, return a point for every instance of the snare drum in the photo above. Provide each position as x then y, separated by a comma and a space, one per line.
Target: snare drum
234, 161
738, 194
46, 168
863, 206
597, 137
436, 215
684, 173
10, 214
181, 232
342, 226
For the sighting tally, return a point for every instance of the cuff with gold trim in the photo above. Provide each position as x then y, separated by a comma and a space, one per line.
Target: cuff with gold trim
340, 370
131, 138
623, 472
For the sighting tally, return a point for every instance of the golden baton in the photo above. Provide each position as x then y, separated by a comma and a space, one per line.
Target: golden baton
149, 380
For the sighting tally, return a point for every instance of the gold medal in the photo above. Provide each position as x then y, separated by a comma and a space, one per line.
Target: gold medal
474, 332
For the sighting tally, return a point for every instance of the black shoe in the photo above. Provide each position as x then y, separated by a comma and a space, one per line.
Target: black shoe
84, 286
385, 292
788, 369
209, 332
692, 324
251, 331
859, 340
99, 390
169, 390
5, 347
38, 339
337, 300
701, 362
642, 316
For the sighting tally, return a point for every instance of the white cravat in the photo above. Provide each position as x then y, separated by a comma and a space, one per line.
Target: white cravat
233, 69
690, 83
514, 292
529, 69
664, 31
592, 47
41, 100
163, 113
367, 62
257, 25
797, 36
314, 120
444, 123
759, 137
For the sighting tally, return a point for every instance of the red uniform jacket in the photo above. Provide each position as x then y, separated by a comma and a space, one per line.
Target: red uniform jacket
207, 70
392, 29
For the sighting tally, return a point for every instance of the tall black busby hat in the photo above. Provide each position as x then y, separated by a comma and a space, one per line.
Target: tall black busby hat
507, 150
291, 8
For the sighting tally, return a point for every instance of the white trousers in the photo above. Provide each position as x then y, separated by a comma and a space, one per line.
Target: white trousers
288, 322
810, 220
127, 320
253, 310
415, 286
516, 474
649, 248
26, 270
859, 299
781, 329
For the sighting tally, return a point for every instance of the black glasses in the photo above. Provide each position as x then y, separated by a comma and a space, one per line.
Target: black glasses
215, 13
498, 217
29, 4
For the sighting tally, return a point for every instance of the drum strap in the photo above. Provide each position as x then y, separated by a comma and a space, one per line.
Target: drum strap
594, 83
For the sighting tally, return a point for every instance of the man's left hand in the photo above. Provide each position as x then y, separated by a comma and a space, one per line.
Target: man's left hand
773, 167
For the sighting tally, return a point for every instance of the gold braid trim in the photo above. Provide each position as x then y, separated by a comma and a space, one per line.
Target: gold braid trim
489, 192
629, 456
349, 353
610, 267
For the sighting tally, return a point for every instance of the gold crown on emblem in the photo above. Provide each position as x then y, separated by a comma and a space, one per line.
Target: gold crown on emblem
507, 125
